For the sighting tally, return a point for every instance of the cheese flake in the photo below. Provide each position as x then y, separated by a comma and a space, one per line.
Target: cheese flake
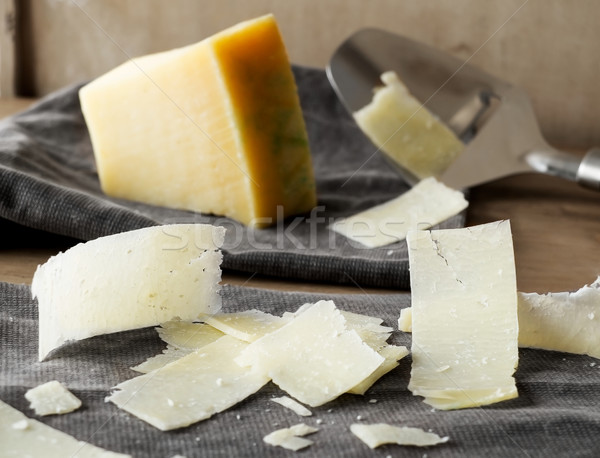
378, 434
392, 355
568, 322
313, 357
428, 203
403, 128
192, 388
464, 315
248, 325
187, 335
291, 404
21, 437
52, 398
127, 281
289, 439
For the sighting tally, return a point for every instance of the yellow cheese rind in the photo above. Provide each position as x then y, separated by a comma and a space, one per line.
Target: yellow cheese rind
192, 388
464, 315
24, 437
406, 131
127, 281
428, 203
214, 127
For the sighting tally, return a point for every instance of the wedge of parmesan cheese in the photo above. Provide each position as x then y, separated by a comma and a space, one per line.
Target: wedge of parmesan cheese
568, 322
423, 206
313, 357
127, 281
52, 398
24, 437
290, 438
380, 433
406, 131
214, 127
464, 315
192, 388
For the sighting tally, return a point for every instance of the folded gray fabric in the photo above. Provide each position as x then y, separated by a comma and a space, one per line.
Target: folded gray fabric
48, 181
556, 414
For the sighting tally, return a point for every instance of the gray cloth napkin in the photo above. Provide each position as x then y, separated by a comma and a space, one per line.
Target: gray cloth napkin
48, 181
556, 414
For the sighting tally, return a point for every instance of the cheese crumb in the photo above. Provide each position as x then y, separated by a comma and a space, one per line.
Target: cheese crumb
52, 398
291, 404
289, 439
378, 434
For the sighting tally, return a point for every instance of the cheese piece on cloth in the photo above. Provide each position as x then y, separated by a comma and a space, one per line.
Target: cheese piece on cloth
428, 203
127, 281
314, 357
24, 437
464, 315
52, 398
192, 388
568, 322
406, 131
214, 127
378, 434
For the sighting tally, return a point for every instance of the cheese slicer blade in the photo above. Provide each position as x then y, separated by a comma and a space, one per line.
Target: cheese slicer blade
492, 117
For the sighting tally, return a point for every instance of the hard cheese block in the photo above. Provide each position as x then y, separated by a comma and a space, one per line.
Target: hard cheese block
23, 437
406, 131
215, 127
127, 281
568, 322
464, 315
428, 203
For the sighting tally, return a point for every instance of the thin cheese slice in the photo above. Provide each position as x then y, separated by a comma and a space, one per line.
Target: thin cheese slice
127, 281
464, 315
192, 388
406, 131
187, 335
292, 405
289, 439
24, 437
52, 398
380, 433
248, 325
392, 355
167, 356
314, 358
568, 322
214, 127
425, 205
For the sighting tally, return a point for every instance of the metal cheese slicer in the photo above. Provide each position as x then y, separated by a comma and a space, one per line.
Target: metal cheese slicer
494, 118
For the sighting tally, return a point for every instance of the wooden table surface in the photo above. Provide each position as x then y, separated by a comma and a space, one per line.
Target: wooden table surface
556, 233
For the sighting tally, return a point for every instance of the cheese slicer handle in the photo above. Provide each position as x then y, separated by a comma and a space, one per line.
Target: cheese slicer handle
586, 171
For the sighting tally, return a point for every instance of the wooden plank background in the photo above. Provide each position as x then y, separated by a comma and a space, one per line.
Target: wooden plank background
551, 47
